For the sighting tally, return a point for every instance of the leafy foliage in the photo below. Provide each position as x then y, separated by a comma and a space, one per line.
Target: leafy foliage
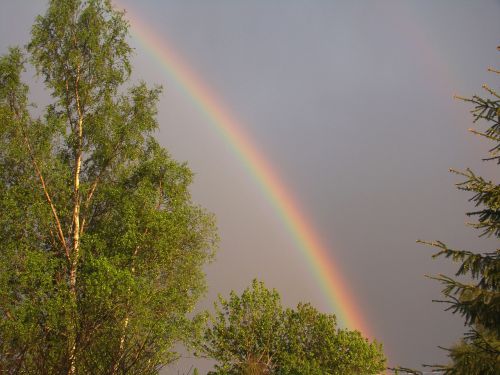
101, 247
478, 300
254, 334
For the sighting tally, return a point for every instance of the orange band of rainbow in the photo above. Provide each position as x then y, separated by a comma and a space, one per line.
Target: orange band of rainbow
307, 241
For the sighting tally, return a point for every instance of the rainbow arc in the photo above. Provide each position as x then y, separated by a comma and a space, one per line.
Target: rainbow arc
307, 241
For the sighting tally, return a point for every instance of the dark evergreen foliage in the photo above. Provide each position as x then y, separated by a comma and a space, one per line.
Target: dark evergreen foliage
475, 294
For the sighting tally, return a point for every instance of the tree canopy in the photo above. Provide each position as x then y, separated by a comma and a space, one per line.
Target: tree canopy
254, 334
101, 247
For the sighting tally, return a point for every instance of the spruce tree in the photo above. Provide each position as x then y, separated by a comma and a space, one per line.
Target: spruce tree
474, 293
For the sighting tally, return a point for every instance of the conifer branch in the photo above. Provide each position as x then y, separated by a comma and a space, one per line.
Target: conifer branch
490, 90
493, 70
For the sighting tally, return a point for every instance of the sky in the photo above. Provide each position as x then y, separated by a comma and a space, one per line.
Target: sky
351, 104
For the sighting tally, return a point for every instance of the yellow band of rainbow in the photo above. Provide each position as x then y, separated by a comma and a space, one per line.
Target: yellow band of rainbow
328, 276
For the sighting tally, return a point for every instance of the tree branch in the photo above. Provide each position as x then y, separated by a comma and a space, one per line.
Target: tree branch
39, 174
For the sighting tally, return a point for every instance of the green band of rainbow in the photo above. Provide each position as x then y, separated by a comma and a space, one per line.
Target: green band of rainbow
307, 241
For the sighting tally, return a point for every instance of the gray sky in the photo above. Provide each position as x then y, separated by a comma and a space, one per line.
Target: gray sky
351, 102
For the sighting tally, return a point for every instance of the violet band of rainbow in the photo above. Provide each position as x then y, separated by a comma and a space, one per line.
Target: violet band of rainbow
329, 278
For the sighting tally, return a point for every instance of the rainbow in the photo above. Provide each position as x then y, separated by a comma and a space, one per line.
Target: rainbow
328, 276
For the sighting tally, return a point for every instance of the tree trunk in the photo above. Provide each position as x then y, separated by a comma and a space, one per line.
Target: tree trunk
72, 344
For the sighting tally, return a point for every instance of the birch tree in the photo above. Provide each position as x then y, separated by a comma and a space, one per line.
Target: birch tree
101, 247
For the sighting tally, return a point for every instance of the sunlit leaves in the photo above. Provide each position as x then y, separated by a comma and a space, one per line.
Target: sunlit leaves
254, 334
143, 241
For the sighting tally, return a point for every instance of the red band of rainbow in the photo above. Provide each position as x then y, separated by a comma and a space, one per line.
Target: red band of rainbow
326, 273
